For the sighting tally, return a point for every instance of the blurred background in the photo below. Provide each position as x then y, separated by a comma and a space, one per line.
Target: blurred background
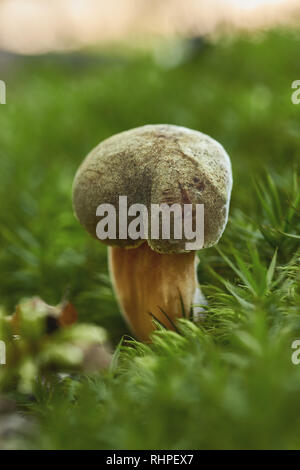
79, 71
32, 26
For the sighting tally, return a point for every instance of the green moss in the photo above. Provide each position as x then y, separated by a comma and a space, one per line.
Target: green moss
231, 382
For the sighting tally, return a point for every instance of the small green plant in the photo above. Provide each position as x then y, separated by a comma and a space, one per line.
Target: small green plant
41, 340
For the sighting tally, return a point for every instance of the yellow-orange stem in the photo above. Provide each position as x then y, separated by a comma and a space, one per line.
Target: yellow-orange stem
146, 281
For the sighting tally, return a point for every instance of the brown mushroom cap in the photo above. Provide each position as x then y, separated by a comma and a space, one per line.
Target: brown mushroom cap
156, 164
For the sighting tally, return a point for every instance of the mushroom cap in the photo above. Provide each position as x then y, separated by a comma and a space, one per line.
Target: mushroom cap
156, 164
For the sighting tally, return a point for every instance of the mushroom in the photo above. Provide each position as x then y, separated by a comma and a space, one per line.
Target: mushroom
155, 164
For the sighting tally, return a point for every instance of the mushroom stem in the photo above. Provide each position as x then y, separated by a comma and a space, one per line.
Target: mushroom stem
146, 281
